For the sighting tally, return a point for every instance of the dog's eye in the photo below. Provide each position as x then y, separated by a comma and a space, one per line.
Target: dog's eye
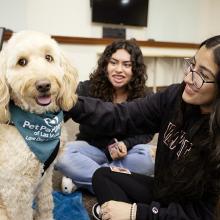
49, 58
22, 62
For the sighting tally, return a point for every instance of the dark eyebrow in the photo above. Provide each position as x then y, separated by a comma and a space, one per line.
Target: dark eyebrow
205, 68
126, 61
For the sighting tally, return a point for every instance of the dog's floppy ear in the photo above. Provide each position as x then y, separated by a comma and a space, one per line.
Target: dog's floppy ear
4, 91
68, 97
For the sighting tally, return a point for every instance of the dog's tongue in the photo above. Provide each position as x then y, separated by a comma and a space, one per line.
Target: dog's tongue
43, 100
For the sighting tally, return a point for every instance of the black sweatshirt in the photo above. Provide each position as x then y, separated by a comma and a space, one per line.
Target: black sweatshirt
89, 133
152, 114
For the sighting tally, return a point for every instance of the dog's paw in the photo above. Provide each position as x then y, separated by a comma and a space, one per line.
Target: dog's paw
67, 185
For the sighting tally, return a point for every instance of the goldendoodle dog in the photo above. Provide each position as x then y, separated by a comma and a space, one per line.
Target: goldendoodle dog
36, 84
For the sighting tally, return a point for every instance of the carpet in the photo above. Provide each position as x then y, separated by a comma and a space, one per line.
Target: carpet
69, 206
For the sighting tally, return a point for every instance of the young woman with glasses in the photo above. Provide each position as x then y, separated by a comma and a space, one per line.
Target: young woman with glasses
186, 182
198, 78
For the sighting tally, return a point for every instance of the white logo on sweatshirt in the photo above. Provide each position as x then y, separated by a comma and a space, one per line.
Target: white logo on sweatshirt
176, 139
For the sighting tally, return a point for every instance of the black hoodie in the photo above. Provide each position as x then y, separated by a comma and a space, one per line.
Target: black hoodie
152, 114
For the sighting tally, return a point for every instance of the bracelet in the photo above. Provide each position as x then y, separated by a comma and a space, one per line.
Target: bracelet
133, 211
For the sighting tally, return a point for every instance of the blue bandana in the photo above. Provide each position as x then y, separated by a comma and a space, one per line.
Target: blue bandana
41, 132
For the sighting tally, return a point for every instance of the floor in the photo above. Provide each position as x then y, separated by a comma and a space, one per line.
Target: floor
88, 199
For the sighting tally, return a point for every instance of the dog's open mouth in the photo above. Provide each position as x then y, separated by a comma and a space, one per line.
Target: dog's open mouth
43, 100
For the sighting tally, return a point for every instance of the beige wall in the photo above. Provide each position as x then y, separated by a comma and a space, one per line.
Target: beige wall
170, 20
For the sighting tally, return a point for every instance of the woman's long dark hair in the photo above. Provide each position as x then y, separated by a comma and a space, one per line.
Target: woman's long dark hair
197, 174
214, 158
100, 85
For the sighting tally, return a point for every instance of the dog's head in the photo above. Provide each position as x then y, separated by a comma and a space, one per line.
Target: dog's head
35, 75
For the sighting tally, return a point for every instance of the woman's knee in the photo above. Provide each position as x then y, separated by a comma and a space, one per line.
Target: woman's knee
62, 163
76, 145
65, 159
145, 150
141, 148
99, 175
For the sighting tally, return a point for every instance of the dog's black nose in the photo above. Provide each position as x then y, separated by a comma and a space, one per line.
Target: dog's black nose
43, 85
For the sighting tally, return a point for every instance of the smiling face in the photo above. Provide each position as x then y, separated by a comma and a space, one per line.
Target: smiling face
119, 69
203, 63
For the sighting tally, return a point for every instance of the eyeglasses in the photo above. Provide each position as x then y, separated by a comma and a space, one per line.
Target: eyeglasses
197, 78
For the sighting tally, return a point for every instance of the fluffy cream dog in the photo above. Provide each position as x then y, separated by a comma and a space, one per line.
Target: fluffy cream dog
36, 82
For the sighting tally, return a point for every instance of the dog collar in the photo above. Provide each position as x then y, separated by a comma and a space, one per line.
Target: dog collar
40, 131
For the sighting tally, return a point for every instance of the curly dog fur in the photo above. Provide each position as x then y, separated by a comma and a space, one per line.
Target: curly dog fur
28, 60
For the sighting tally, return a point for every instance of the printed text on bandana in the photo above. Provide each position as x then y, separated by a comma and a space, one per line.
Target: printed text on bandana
50, 130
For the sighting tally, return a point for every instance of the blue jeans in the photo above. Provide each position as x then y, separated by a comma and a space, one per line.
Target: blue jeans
80, 160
